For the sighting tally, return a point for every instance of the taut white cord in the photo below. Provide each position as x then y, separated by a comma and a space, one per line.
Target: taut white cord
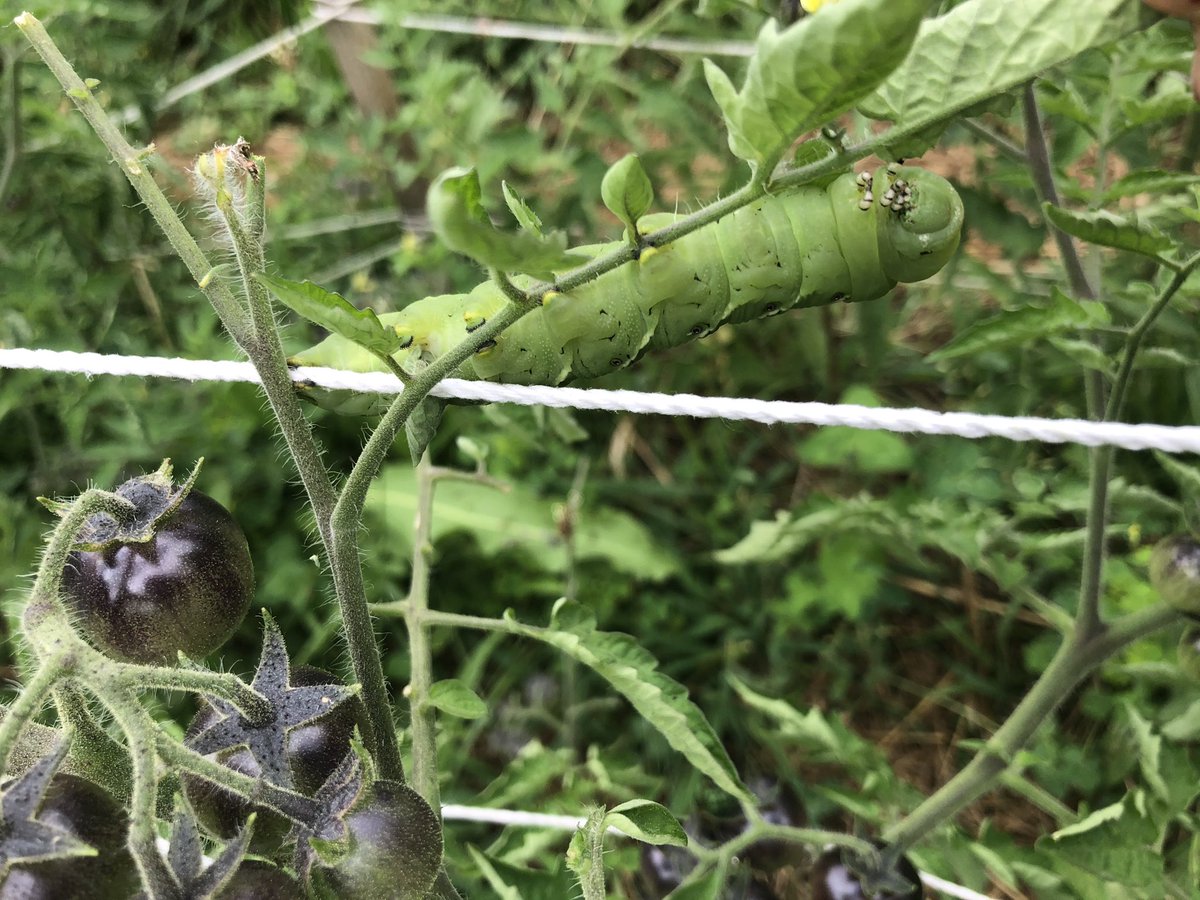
1183, 439
347, 11
516, 818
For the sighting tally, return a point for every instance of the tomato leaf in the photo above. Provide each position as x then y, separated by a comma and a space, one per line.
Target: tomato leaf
1111, 230
700, 885
454, 698
1021, 327
334, 313
422, 425
455, 209
521, 210
810, 73
627, 192
633, 671
979, 50
648, 822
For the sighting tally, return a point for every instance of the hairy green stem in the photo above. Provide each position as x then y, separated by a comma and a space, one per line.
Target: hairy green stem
28, 703
1039, 797
1087, 617
264, 351
12, 120
94, 753
233, 317
420, 678
759, 830
346, 521
225, 685
399, 609
295, 806
157, 879
1000, 142
1091, 641
1037, 151
1133, 341
91, 502
1076, 658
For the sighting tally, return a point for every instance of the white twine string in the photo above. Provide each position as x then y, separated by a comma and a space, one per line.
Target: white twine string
519, 819
1183, 439
347, 11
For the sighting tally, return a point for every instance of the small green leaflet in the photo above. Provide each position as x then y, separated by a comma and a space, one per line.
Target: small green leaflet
521, 210
454, 698
648, 822
422, 425
627, 192
1020, 327
333, 312
456, 212
979, 49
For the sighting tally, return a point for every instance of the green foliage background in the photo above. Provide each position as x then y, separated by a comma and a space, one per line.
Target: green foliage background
893, 591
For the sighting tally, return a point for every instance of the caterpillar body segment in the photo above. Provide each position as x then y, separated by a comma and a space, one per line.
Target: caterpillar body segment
810, 247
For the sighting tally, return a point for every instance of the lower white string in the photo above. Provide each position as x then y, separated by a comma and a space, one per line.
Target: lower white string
1180, 439
518, 819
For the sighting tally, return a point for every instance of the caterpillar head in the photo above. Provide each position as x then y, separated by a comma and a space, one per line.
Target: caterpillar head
920, 219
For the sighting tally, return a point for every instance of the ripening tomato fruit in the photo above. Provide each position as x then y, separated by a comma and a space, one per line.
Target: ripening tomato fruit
87, 811
187, 588
395, 847
258, 880
1175, 572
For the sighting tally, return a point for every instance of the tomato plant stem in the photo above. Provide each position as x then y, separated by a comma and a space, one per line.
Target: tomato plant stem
199, 681
27, 704
132, 163
420, 679
91, 502
139, 730
1076, 658
296, 807
94, 753
760, 830
346, 522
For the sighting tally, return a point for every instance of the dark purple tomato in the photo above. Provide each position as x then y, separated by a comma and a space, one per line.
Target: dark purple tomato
314, 751
88, 812
258, 880
396, 848
187, 588
1175, 572
834, 878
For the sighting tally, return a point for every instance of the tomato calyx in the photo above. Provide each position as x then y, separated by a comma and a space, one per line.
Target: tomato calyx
326, 839
840, 874
266, 737
185, 859
24, 838
155, 497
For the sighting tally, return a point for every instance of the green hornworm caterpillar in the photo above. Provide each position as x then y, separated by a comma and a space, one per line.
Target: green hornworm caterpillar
852, 240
